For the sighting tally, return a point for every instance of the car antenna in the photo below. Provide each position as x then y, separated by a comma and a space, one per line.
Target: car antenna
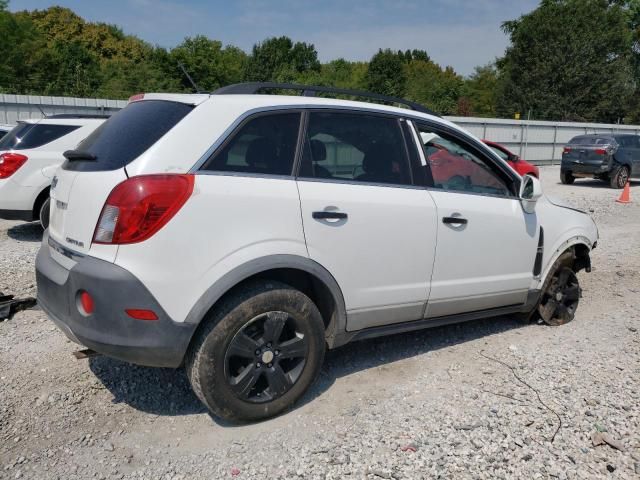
186, 74
44, 115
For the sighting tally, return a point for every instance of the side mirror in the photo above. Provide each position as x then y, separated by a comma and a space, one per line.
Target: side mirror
513, 157
530, 192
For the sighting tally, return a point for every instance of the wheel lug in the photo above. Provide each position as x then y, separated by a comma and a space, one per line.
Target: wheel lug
258, 352
270, 365
269, 345
258, 365
277, 352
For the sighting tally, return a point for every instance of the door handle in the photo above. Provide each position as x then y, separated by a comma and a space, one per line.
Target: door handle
454, 220
325, 215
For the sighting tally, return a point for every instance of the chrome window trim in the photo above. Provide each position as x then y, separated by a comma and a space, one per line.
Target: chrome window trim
416, 138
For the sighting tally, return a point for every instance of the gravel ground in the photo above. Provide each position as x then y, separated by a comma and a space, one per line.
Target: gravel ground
434, 404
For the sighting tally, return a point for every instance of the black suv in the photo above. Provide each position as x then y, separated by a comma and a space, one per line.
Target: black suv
612, 158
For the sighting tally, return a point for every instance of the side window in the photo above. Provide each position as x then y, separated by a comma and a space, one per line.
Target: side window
455, 167
356, 147
265, 144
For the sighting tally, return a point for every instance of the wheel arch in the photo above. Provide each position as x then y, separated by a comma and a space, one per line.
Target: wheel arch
40, 199
302, 273
581, 248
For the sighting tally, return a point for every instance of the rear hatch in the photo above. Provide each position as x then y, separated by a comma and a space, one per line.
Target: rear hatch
83, 182
589, 150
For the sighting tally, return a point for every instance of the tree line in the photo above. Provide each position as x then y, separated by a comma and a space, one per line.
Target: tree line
567, 60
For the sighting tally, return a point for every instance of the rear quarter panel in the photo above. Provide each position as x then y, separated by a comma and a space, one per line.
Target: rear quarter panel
228, 221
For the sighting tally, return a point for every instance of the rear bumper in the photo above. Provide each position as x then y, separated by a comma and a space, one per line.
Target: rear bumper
24, 215
593, 168
109, 330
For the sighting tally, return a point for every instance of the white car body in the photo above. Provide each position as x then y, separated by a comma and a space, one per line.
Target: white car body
391, 266
22, 194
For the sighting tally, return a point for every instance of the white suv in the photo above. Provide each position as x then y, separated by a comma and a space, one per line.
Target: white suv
242, 234
29, 155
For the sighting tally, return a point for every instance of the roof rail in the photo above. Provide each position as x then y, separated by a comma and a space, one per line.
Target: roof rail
76, 115
250, 88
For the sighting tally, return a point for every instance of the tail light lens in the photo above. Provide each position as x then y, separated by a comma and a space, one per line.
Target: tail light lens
140, 206
10, 163
601, 151
566, 150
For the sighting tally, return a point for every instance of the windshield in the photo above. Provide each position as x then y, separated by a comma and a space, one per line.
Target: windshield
500, 153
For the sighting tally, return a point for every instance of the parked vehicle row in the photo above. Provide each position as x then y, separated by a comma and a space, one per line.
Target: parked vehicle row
241, 235
29, 155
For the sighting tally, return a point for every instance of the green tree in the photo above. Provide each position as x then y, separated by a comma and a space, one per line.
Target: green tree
479, 91
429, 84
279, 59
209, 64
386, 74
568, 60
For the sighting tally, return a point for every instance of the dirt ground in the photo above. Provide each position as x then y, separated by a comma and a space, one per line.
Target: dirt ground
432, 404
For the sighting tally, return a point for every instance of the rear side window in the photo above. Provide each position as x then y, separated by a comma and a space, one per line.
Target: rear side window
629, 141
128, 134
355, 147
265, 145
30, 135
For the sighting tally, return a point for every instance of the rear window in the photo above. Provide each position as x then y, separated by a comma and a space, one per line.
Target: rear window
591, 141
30, 135
128, 134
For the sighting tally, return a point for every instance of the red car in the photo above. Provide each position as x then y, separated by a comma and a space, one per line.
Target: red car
518, 164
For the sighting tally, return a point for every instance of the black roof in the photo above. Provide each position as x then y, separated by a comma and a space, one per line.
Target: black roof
251, 88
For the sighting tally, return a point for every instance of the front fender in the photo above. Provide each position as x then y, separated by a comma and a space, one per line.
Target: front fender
564, 228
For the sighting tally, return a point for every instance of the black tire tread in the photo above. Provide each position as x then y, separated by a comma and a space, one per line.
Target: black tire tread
566, 259
566, 178
615, 174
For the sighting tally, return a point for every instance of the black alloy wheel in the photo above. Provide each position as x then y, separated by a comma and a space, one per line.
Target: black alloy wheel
561, 297
266, 357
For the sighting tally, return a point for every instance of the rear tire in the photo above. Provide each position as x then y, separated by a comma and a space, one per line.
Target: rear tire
567, 178
619, 176
43, 213
257, 353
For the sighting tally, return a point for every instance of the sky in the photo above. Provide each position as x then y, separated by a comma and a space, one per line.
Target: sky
460, 33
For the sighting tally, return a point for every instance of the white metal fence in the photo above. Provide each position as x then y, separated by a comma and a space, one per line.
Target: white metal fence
20, 107
536, 141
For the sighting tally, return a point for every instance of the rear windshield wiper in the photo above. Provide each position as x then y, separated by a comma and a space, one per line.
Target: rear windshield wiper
73, 155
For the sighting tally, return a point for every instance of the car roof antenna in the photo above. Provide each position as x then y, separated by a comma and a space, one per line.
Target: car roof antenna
44, 115
186, 74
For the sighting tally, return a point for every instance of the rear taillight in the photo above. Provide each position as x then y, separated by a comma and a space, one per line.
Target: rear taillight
140, 206
10, 163
566, 150
601, 151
